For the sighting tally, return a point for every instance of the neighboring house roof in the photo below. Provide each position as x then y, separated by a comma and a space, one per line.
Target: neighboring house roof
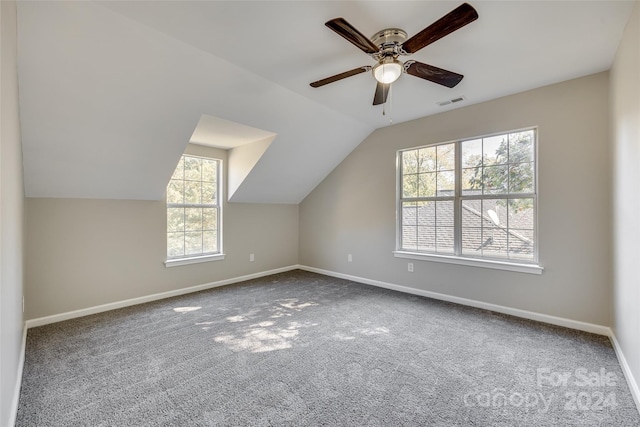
430, 224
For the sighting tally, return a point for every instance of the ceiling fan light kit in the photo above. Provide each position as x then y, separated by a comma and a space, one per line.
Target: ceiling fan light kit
387, 45
388, 71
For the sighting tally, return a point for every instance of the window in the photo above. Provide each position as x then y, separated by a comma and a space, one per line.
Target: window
473, 199
193, 210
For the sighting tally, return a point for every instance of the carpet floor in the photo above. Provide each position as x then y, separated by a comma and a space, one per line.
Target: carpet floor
302, 349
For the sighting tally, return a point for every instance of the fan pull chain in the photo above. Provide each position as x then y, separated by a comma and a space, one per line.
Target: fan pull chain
384, 106
390, 105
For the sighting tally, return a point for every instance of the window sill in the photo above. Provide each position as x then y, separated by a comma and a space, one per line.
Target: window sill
483, 263
176, 262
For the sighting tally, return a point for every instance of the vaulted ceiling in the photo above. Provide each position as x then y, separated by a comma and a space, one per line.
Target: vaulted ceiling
111, 92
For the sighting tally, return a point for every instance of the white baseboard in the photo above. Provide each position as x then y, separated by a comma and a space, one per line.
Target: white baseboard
16, 390
40, 321
545, 318
631, 381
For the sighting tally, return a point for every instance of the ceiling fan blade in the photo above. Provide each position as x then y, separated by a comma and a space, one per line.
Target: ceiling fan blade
353, 36
454, 20
340, 76
433, 74
382, 90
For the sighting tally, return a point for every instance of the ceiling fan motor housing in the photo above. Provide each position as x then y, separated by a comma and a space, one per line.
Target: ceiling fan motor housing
389, 40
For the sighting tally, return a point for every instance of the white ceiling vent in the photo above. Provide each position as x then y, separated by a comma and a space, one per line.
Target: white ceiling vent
451, 101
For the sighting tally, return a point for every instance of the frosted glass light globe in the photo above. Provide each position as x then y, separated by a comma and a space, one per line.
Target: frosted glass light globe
387, 72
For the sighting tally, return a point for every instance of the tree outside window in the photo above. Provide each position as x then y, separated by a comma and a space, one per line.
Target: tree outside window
193, 208
474, 198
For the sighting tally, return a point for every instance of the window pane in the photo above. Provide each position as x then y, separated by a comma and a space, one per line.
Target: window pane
426, 226
446, 157
192, 192
521, 214
410, 162
444, 239
210, 242
494, 223
175, 191
427, 184
471, 153
521, 147
494, 150
426, 212
179, 172
209, 168
494, 212
193, 219
495, 242
410, 186
444, 213
446, 183
175, 244
521, 224
521, 244
192, 168
209, 193
427, 159
471, 213
427, 239
409, 213
409, 237
496, 179
175, 219
209, 219
521, 178
471, 181
193, 243
472, 241
410, 229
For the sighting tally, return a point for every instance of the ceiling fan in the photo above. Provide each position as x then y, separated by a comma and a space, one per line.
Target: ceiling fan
385, 46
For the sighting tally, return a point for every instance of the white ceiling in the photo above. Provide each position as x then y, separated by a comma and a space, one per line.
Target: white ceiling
112, 92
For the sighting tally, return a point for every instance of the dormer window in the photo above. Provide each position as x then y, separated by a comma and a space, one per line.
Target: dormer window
193, 211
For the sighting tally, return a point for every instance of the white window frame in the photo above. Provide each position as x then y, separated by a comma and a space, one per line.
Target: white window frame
209, 256
458, 257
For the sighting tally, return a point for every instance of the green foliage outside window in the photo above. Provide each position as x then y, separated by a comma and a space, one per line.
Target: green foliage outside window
192, 208
495, 204
507, 169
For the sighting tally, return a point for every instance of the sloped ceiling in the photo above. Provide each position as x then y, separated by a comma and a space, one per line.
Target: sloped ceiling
110, 93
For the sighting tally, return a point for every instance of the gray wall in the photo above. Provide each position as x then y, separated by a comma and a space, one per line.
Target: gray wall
82, 253
353, 209
11, 218
625, 124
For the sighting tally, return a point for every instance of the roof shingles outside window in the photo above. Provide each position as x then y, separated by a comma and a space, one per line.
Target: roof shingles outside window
479, 232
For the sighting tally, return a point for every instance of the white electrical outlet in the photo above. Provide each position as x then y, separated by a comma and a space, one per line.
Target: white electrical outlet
349, 258
252, 257
410, 267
